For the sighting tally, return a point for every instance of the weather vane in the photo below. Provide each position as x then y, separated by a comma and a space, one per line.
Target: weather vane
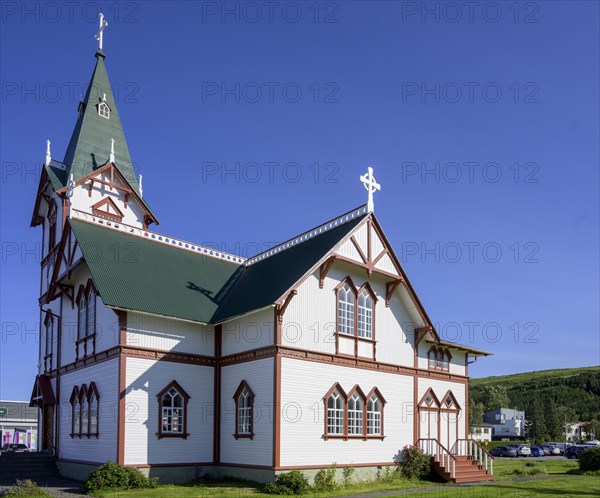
103, 25
371, 186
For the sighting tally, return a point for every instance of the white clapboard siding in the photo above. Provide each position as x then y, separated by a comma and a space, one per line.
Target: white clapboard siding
440, 388
457, 364
155, 332
133, 214
422, 354
310, 319
106, 377
252, 331
361, 237
259, 376
107, 327
144, 380
387, 265
303, 386
349, 250
376, 243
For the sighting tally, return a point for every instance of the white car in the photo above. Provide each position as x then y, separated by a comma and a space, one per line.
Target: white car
595, 442
522, 449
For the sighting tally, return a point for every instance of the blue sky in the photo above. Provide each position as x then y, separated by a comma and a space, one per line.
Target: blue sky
252, 125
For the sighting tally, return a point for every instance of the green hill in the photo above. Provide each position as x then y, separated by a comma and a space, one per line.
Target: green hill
547, 396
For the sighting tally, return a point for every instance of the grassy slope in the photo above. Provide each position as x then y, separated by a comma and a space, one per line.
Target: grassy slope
519, 378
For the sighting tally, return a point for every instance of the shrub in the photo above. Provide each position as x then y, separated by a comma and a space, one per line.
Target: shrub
589, 459
530, 469
347, 474
288, 483
415, 464
26, 488
325, 479
113, 476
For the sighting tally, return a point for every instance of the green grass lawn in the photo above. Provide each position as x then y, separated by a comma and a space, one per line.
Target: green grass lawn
555, 482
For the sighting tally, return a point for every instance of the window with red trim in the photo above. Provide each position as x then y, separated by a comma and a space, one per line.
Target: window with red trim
52, 225
86, 320
172, 411
49, 341
85, 411
244, 411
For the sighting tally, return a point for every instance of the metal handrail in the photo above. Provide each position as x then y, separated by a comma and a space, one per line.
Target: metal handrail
439, 452
472, 448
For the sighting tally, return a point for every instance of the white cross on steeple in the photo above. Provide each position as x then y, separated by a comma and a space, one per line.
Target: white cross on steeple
103, 25
370, 186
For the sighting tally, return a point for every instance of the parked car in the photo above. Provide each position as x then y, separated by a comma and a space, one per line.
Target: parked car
552, 450
537, 451
561, 447
594, 442
575, 450
521, 449
503, 451
14, 448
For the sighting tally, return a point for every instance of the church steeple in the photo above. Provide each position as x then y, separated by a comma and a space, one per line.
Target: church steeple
98, 124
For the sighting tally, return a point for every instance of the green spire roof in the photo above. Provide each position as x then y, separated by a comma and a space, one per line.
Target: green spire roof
90, 144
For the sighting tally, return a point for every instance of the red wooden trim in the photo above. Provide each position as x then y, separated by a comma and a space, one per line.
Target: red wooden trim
324, 270
360, 251
218, 338
96, 211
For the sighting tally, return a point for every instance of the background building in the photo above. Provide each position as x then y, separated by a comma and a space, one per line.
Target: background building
18, 423
506, 422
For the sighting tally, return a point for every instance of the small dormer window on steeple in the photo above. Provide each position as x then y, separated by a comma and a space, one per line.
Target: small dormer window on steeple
103, 109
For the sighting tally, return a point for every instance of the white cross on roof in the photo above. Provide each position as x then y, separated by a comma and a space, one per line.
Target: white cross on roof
371, 186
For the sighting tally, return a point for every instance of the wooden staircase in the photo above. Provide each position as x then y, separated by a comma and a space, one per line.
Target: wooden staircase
467, 461
466, 470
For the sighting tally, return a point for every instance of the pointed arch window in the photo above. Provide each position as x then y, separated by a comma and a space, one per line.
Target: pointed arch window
346, 298
365, 314
439, 359
375, 405
85, 410
52, 210
49, 340
356, 409
172, 411
86, 320
244, 411
75, 412
93, 407
335, 412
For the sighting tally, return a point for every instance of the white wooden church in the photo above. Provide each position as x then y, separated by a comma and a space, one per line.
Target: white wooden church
182, 360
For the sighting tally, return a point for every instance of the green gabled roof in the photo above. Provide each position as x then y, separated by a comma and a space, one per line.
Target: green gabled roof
260, 284
89, 147
57, 175
139, 274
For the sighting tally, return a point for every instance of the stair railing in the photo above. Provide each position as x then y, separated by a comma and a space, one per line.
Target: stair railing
472, 448
445, 458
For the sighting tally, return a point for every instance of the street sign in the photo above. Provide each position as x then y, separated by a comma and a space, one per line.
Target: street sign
3, 412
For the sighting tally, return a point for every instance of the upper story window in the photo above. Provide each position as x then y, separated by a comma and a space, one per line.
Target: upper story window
86, 320
52, 210
172, 411
244, 411
49, 340
103, 110
365, 315
346, 298
439, 359
356, 312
